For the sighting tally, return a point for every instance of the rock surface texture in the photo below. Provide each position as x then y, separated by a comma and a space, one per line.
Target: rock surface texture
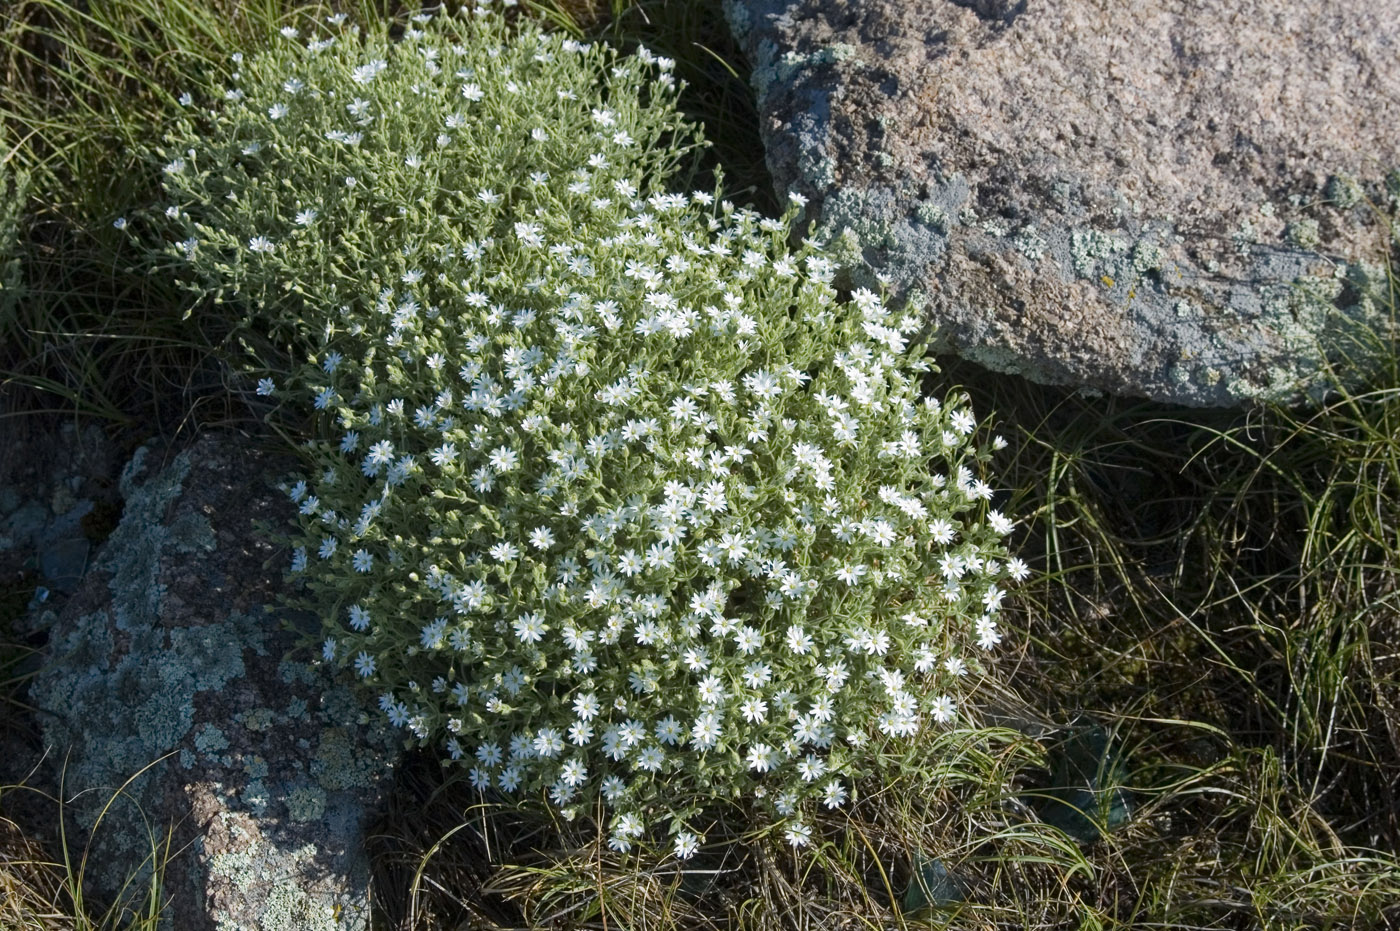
166, 662
1149, 197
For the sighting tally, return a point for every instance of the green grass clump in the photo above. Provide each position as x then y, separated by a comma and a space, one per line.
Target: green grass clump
13, 192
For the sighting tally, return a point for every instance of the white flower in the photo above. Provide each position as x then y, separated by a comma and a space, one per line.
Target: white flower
669, 731
530, 628
119, 223
367, 72
799, 834
811, 768
706, 732
834, 795
761, 757
306, 217
763, 384
651, 759
261, 244
748, 640
629, 563
987, 634
850, 574
503, 459
265, 386
574, 772
942, 709
940, 531
586, 706
686, 845
711, 690
541, 538
277, 111
359, 618
548, 743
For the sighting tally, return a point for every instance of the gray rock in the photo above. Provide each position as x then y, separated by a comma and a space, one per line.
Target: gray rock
63, 562
171, 704
1149, 198
24, 526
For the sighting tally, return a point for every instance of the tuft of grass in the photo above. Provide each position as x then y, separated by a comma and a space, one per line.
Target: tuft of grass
44, 894
85, 83
41, 885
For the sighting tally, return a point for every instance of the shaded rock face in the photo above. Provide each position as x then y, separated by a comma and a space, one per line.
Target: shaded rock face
167, 662
1150, 197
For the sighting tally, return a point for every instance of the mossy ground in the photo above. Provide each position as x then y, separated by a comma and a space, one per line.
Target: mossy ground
1215, 605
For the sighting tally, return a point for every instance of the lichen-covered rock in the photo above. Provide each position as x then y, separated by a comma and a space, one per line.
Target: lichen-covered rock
1160, 199
169, 663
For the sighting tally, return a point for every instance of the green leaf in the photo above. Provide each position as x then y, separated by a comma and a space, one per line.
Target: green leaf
931, 886
1086, 798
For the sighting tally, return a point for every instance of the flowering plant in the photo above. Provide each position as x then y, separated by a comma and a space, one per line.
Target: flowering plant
611, 498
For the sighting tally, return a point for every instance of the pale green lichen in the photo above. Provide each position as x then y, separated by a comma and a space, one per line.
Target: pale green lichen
339, 764
1303, 233
1029, 243
123, 689
1091, 248
255, 796
210, 739
1146, 257
1343, 192
258, 719
816, 168
290, 907
286, 906
738, 16
306, 803
296, 673
932, 215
